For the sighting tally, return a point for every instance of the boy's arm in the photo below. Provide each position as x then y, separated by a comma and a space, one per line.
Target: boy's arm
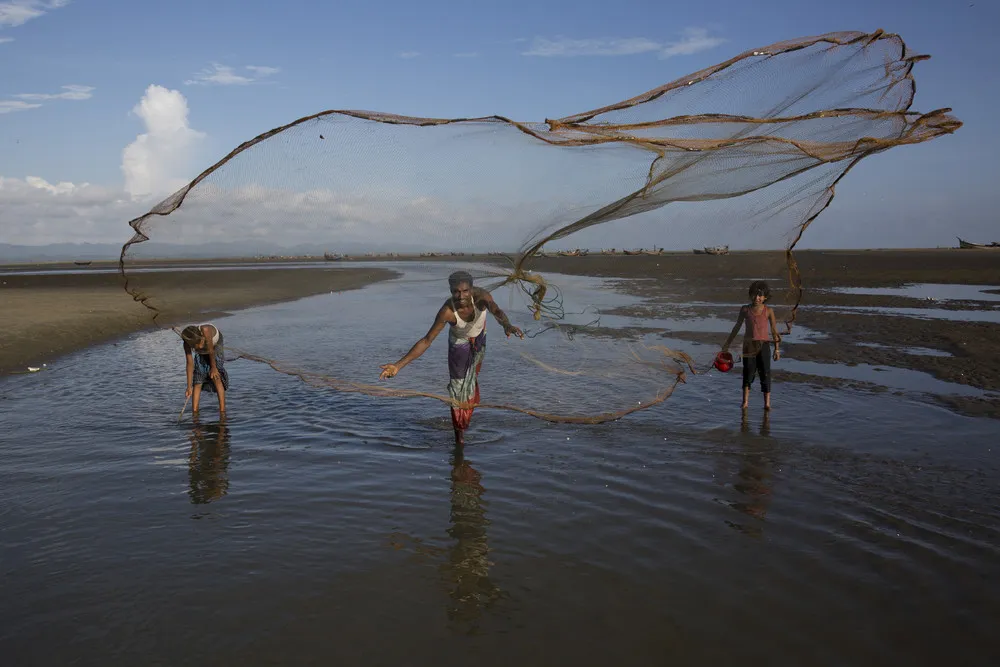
736, 328
213, 372
188, 365
775, 336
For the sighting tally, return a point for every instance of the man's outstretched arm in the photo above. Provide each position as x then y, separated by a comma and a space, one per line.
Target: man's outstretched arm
389, 370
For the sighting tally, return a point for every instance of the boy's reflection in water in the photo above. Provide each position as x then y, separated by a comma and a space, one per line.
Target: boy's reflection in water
208, 463
753, 479
467, 570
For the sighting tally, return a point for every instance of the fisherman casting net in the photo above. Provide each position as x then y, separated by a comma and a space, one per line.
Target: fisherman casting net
746, 154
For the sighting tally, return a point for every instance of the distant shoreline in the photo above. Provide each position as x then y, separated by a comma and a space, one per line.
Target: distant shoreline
10, 265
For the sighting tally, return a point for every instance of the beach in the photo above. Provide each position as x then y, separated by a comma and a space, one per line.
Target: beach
837, 284
855, 523
46, 316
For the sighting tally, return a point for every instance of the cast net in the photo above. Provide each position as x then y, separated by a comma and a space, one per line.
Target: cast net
745, 154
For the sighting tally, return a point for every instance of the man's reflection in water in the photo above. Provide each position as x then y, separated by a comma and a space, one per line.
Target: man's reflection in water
468, 568
753, 479
208, 464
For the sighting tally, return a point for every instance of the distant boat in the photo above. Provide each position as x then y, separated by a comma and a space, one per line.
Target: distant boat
331, 257
700, 251
717, 250
967, 245
82, 263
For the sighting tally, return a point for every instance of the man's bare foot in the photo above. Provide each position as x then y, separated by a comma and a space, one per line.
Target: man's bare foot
459, 438
744, 406
767, 407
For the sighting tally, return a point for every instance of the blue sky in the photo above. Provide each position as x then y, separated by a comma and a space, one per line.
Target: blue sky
71, 73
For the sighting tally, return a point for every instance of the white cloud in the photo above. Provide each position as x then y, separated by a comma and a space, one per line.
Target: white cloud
18, 12
263, 70
466, 54
41, 212
408, 55
9, 106
693, 41
562, 46
224, 75
4, 40
61, 188
160, 160
383, 216
73, 92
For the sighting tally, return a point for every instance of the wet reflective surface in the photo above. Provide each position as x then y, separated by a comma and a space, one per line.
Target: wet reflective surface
317, 527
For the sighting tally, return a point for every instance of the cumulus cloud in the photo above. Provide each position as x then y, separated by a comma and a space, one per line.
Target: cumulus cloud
40, 212
160, 160
4, 40
409, 55
384, 216
225, 75
18, 12
693, 40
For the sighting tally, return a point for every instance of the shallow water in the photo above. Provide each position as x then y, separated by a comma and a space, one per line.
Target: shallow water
929, 291
214, 266
317, 527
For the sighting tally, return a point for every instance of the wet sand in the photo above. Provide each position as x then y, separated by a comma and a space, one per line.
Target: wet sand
970, 351
46, 316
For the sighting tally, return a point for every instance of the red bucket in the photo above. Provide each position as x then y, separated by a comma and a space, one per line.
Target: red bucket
723, 361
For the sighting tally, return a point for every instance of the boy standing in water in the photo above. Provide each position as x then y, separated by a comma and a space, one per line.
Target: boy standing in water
756, 343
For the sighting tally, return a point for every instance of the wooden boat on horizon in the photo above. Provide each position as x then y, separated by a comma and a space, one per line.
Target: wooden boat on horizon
969, 246
86, 263
712, 250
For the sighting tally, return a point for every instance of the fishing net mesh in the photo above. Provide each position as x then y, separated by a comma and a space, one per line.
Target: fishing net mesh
746, 154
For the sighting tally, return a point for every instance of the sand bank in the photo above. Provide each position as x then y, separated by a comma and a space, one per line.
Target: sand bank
963, 352
45, 316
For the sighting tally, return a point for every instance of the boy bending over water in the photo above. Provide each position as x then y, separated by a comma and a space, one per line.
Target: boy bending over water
205, 364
